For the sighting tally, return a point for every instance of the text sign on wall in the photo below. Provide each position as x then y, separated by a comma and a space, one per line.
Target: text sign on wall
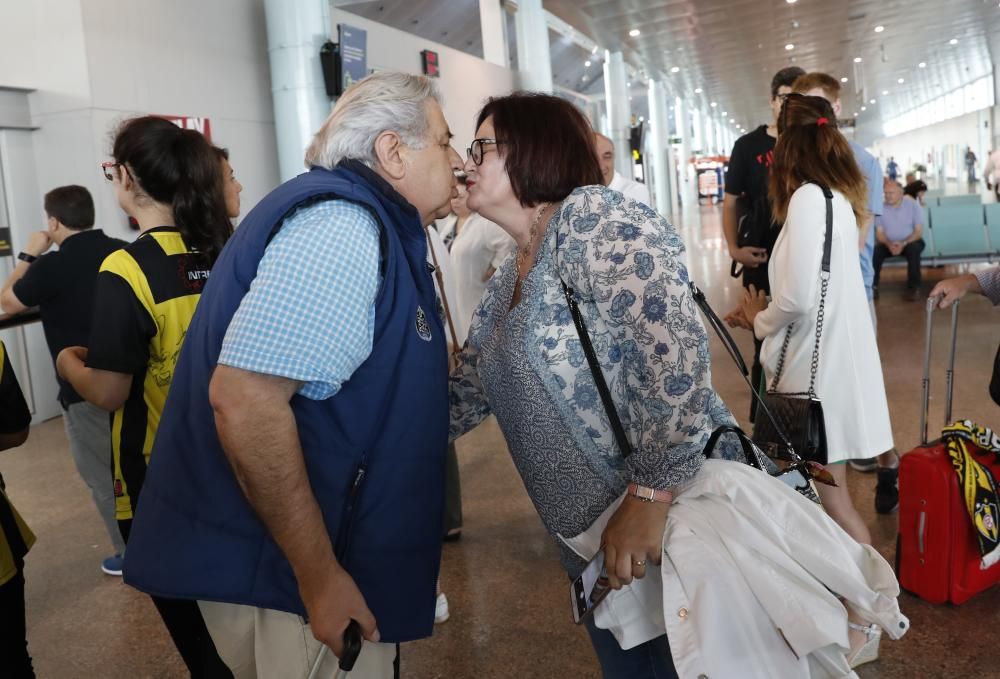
353, 55
198, 124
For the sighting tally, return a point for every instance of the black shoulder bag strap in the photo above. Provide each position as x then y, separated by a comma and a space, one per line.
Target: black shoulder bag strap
820, 313
595, 369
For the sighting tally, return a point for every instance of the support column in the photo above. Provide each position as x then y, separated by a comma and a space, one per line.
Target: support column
698, 145
720, 137
296, 29
684, 132
616, 101
659, 147
493, 25
534, 60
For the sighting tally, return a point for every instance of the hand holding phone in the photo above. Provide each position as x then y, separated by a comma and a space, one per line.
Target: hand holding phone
589, 589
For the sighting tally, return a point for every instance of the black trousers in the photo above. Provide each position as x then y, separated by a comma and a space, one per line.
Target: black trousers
183, 620
912, 254
15, 663
756, 276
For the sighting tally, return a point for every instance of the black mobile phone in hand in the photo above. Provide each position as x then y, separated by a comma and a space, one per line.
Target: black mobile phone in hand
589, 589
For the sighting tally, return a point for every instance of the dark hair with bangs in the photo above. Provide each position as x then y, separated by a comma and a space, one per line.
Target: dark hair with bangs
810, 148
547, 145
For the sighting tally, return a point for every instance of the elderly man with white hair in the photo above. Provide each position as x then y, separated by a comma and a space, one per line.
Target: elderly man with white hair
298, 478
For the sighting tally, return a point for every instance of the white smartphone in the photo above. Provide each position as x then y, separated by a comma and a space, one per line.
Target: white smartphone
589, 589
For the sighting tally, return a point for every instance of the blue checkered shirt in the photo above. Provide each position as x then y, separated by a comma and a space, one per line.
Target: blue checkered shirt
309, 315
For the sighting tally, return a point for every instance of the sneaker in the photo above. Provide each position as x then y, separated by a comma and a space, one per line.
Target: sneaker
868, 464
113, 565
887, 490
441, 613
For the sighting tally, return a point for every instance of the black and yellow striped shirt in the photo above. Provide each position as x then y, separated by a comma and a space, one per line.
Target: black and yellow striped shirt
146, 295
15, 536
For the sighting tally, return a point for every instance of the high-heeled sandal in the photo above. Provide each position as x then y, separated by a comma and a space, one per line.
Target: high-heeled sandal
868, 651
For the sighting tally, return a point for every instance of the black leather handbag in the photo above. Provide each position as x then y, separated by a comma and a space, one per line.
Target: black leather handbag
799, 415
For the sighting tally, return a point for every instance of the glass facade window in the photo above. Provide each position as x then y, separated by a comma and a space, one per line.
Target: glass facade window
972, 97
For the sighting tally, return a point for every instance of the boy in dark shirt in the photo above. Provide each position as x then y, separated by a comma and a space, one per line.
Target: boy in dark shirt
62, 284
746, 195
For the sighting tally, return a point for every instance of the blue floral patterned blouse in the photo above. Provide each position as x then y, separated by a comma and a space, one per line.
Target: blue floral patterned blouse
624, 263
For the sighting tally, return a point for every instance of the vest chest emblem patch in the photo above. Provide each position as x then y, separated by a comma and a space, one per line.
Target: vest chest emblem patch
423, 327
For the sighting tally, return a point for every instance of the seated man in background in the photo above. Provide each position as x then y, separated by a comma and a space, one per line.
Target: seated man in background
612, 179
898, 231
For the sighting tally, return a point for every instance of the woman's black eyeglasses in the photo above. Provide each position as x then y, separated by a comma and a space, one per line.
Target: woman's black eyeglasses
475, 151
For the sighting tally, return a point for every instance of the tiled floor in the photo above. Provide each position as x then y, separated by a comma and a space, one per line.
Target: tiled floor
509, 601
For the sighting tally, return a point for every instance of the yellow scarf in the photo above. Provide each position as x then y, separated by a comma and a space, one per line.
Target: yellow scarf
964, 440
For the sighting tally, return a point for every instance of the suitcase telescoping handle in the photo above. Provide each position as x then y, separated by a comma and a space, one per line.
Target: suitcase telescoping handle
932, 302
352, 649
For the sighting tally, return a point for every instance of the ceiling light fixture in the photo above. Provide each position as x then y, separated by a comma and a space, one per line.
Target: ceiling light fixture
789, 47
725, 113
843, 80
885, 93
871, 101
675, 69
857, 60
697, 90
864, 108
790, 2
953, 41
901, 81
586, 64
879, 29
713, 104
634, 33
855, 114
922, 64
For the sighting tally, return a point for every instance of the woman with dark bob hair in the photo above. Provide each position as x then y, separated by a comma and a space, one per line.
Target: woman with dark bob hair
533, 170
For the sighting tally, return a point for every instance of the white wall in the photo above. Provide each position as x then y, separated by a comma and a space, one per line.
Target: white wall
91, 63
465, 82
943, 142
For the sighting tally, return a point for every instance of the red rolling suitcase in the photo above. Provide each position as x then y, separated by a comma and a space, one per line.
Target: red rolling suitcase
937, 555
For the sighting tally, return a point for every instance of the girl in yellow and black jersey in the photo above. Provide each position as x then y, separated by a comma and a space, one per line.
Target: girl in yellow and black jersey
172, 182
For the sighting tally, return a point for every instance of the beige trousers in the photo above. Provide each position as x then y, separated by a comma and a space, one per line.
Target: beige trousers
259, 643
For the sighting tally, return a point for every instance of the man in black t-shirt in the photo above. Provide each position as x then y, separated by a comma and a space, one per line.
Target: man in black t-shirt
61, 284
746, 196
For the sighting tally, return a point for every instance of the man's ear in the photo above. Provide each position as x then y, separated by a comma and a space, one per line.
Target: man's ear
390, 151
836, 108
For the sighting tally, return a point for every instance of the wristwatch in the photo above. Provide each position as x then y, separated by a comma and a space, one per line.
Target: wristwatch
25, 257
649, 494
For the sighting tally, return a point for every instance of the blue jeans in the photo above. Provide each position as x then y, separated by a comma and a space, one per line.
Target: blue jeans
651, 660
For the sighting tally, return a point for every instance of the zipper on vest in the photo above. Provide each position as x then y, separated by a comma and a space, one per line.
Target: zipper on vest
347, 521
